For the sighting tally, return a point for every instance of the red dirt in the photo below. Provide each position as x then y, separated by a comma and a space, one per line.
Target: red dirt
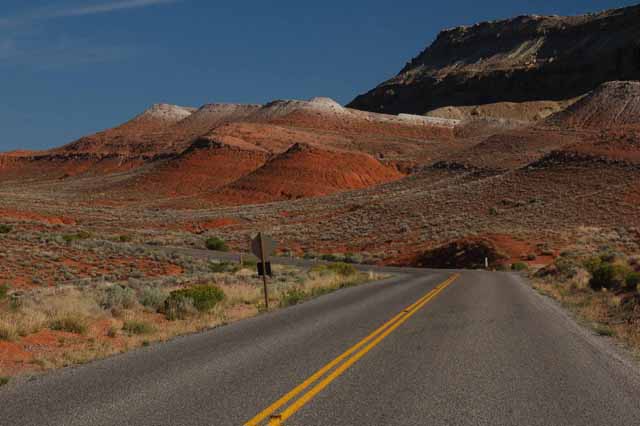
32, 216
199, 227
306, 171
206, 166
518, 250
148, 267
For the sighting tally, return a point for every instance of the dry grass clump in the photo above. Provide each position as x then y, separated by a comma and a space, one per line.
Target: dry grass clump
323, 279
58, 309
602, 290
97, 320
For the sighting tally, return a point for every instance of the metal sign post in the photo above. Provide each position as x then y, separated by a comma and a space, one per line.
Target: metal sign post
263, 246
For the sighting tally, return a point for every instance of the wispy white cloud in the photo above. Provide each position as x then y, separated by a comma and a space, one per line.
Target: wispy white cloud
113, 6
78, 10
24, 41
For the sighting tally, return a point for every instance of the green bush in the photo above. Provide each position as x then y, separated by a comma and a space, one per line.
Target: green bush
220, 267
152, 297
80, 235
607, 275
69, 323
5, 229
118, 297
202, 298
250, 263
519, 266
608, 257
4, 381
215, 243
340, 268
125, 238
332, 257
592, 264
4, 291
138, 327
293, 296
320, 291
353, 258
632, 280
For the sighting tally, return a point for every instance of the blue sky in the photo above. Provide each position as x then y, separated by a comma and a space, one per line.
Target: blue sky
71, 67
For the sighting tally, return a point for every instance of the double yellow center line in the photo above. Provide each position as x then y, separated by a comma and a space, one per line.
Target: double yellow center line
350, 357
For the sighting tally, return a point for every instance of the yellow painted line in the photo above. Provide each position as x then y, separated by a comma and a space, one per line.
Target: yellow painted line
379, 334
344, 367
282, 401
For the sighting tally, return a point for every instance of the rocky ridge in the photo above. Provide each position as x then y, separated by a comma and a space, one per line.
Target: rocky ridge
527, 58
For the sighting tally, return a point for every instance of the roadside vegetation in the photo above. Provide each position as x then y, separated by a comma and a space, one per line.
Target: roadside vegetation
71, 321
601, 289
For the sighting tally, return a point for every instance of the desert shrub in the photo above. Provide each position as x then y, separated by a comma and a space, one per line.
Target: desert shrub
250, 263
343, 269
340, 268
175, 309
5, 229
80, 235
138, 327
608, 257
292, 296
603, 330
112, 331
531, 256
607, 275
118, 297
592, 264
202, 298
152, 297
332, 257
320, 291
566, 267
220, 267
7, 332
519, 266
309, 255
4, 381
4, 291
632, 280
353, 258
125, 238
215, 243
70, 323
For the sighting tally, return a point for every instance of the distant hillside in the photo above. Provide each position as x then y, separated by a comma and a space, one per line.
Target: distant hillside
527, 58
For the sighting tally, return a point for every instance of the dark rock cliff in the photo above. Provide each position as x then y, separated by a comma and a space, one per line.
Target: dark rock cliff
526, 58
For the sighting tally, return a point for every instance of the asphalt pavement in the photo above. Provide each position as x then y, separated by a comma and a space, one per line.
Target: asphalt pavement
421, 348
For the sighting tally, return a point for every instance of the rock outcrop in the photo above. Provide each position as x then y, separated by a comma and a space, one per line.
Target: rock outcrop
527, 58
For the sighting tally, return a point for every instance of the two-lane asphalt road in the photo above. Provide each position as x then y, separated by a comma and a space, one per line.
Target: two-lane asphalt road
430, 348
